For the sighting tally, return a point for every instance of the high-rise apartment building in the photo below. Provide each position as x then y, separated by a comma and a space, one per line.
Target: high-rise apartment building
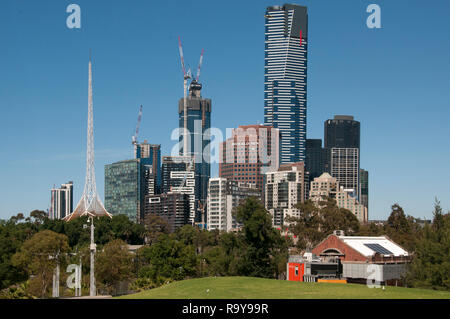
198, 125
223, 196
172, 207
345, 168
249, 153
179, 176
345, 199
61, 201
285, 188
322, 187
125, 188
285, 77
327, 186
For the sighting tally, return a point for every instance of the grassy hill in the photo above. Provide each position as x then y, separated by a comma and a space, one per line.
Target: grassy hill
258, 288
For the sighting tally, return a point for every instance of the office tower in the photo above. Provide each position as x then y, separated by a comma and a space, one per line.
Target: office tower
316, 158
345, 199
62, 201
249, 153
327, 186
364, 184
90, 203
150, 155
172, 207
198, 125
285, 188
223, 196
285, 77
322, 187
342, 141
345, 168
125, 188
178, 175
342, 132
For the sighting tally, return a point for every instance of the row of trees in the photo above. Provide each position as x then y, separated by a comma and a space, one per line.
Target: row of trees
258, 250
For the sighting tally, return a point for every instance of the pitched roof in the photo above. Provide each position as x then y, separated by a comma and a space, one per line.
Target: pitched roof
368, 246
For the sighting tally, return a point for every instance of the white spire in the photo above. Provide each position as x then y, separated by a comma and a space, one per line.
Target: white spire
90, 203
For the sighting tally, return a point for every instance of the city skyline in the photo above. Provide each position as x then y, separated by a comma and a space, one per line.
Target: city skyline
56, 136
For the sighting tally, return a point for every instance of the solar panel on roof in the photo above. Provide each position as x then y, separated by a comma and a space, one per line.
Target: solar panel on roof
379, 249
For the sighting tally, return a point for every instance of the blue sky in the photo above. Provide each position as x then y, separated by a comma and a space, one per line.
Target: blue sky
394, 80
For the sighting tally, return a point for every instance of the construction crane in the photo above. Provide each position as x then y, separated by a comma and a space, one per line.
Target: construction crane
199, 66
134, 138
186, 77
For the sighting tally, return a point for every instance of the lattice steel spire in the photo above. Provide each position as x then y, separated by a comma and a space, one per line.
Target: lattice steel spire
89, 204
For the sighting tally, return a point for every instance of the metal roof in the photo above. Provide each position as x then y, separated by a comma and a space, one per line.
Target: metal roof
363, 244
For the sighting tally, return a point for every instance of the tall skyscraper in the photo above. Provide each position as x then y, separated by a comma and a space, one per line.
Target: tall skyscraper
342, 132
198, 124
62, 201
342, 141
150, 154
248, 153
125, 188
285, 78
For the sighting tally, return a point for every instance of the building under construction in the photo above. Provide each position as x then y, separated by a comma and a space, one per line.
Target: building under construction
194, 113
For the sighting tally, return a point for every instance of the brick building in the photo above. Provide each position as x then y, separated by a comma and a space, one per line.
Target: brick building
248, 153
378, 258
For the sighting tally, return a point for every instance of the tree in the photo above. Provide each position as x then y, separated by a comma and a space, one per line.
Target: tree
307, 226
333, 218
261, 241
224, 256
430, 267
113, 264
403, 229
167, 259
38, 257
316, 222
155, 226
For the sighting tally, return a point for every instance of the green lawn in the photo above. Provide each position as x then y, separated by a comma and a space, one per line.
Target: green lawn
258, 288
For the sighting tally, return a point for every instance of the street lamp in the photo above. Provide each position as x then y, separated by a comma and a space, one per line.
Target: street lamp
92, 249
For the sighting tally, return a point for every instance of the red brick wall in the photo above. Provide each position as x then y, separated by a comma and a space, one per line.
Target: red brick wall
333, 242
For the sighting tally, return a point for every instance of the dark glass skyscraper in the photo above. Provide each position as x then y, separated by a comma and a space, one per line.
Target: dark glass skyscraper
285, 75
317, 158
342, 141
198, 124
342, 132
150, 154
364, 183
